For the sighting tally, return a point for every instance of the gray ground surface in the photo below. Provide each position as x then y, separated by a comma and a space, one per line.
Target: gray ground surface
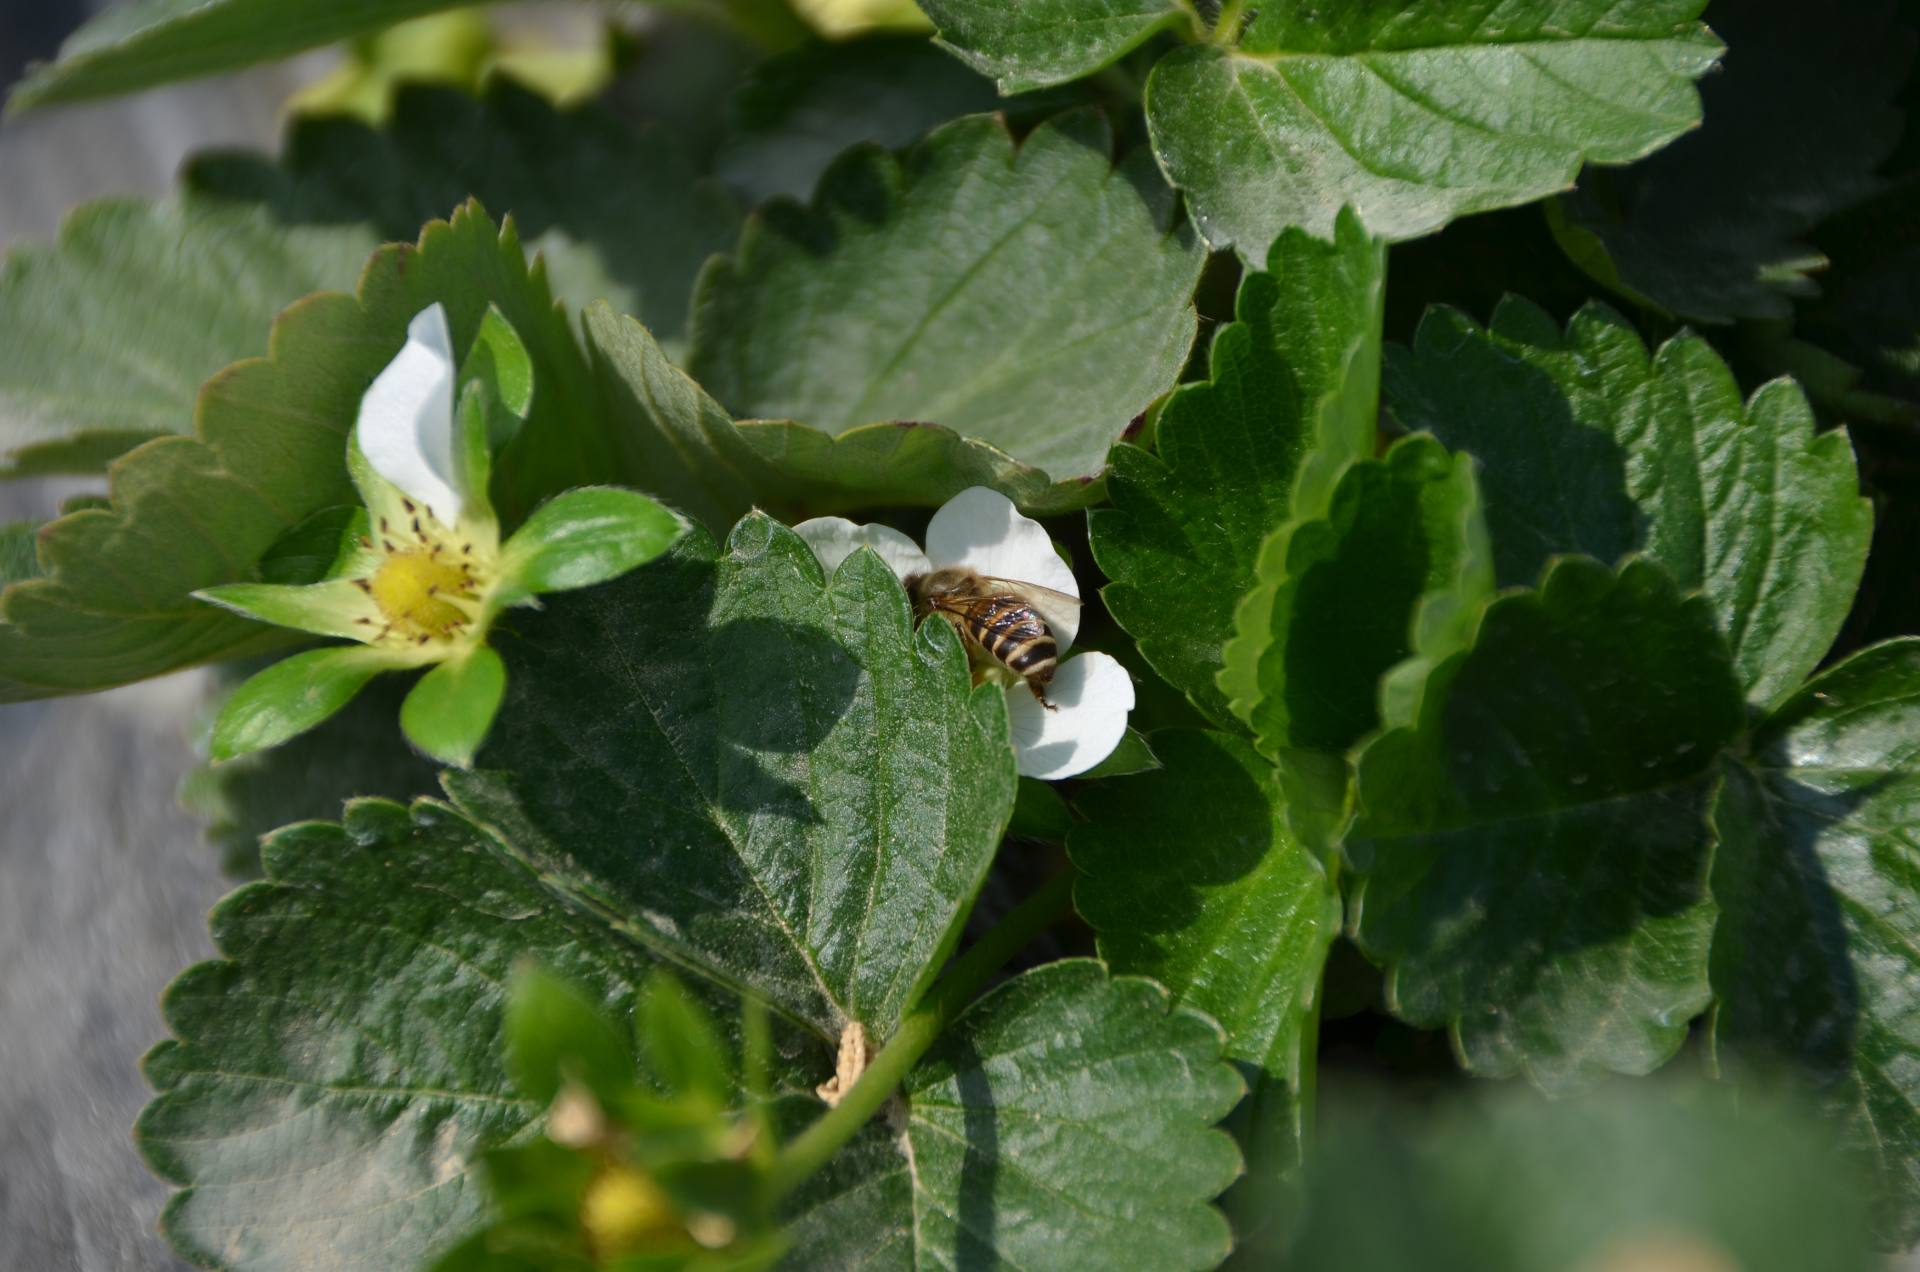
104, 882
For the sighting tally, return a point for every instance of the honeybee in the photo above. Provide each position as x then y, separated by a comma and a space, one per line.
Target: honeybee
1001, 622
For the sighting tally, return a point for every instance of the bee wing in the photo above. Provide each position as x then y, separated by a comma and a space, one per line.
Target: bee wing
1060, 612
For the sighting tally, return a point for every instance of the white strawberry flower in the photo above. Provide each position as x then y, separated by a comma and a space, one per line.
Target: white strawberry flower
421, 574
980, 530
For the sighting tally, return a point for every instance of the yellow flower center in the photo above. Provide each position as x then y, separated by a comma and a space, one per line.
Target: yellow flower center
431, 585
624, 1212
416, 591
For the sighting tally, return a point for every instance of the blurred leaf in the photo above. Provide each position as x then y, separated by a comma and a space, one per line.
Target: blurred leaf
1534, 838
797, 112
1417, 114
1185, 530
888, 298
269, 450
1064, 1121
339, 1118
1192, 875
19, 551
442, 48
1340, 597
1797, 121
1869, 310
555, 1035
618, 213
86, 373
1043, 42
464, 49
1813, 962
684, 1052
146, 42
1589, 445
1640, 1177
761, 747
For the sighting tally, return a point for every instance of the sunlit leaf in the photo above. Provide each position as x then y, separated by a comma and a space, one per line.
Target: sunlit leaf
1417, 113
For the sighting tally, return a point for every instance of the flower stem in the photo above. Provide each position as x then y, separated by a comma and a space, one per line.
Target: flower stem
1226, 30
945, 1000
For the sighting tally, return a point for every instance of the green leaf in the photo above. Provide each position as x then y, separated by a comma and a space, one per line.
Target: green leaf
618, 213
1185, 529
1065, 1120
1044, 42
358, 752
268, 451
337, 1076
318, 546
1590, 446
1341, 598
887, 298
1193, 875
1638, 1177
292, 696
686, 1053
87, 374
1534, 839
796, 113
1815, 875
148, 42
1417, 114
449, 711
1796, 123
586, 536
790, 786
697, 458
556, 1035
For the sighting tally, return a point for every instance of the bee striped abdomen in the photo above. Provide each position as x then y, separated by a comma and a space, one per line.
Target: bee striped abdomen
1013, 635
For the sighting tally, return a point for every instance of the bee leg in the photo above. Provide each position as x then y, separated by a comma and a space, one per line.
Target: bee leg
1040, 696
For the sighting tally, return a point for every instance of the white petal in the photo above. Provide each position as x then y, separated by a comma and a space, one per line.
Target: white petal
1092, 695
406, 418
981, 530
834, 539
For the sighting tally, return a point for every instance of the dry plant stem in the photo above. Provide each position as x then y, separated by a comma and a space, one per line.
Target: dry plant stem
945, 1000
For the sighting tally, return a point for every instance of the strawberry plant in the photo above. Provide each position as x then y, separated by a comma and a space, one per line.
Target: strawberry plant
1051, 634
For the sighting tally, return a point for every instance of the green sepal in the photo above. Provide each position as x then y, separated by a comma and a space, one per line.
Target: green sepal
1039, 812
555, 1035
292, 696
583, 537
334, 608
682, 1047
448, 713
1133, 755
495, 393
